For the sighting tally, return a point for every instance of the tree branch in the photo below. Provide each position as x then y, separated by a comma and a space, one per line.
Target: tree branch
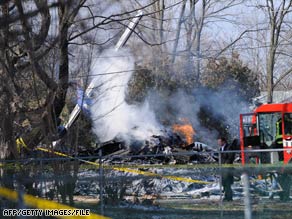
282, 77
50, 83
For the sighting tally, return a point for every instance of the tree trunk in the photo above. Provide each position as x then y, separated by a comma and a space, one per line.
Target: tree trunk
60, 97
270, 74
7, 143
180, 21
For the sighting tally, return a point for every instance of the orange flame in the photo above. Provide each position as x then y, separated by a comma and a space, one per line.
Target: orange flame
186, 130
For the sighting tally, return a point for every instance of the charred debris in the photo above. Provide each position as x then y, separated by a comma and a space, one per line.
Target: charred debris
168, 148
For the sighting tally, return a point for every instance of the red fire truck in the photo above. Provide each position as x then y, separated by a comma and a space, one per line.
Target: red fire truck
268, 128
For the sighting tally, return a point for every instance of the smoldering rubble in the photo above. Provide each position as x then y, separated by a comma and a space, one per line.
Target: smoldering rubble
168, 148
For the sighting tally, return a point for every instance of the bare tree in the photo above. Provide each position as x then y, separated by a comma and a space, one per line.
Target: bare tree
277, 14
197, 15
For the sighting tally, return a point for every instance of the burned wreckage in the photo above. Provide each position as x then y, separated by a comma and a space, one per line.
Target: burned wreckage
169, 148
171, 145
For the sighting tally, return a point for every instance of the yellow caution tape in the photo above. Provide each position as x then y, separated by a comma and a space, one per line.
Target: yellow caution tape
66, 155
54, 152
20, 143
183, 179
186, 180
122, 169
44, 204
178, 166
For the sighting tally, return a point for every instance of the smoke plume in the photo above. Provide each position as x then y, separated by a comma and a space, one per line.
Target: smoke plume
112, 116
221, 105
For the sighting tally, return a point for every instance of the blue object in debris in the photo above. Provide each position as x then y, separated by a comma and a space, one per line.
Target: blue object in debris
83, 101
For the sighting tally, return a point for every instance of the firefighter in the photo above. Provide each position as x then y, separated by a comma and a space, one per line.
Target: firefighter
227, 175
279, 136
283, 178
288, 123
279, 139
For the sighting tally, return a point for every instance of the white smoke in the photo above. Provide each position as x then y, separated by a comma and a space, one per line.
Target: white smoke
112, 116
